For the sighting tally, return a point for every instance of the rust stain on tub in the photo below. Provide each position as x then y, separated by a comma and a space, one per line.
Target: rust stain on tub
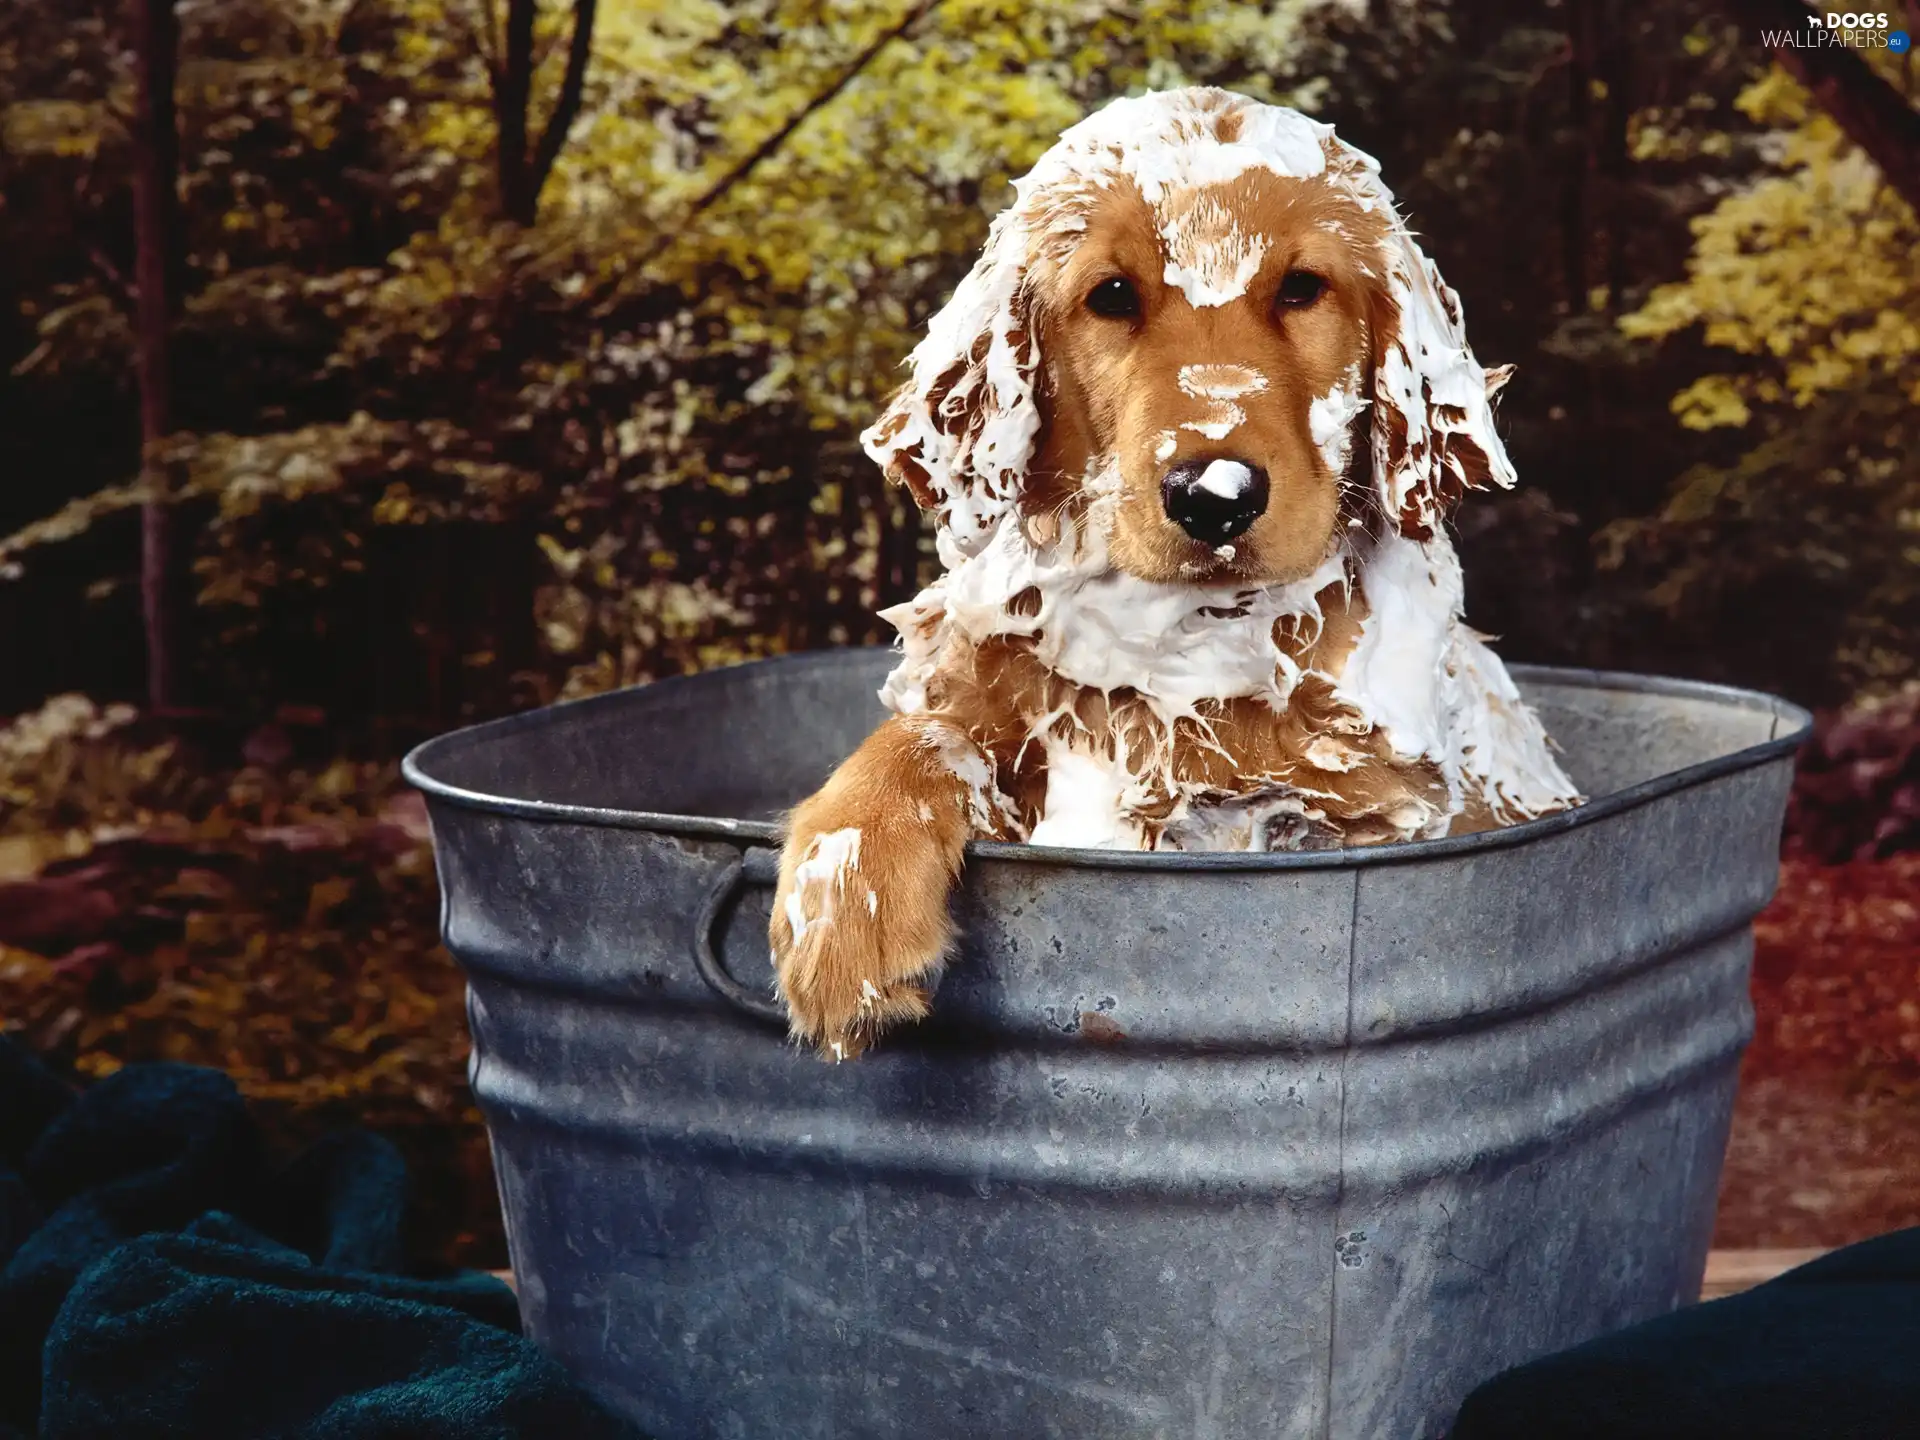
1100, 1028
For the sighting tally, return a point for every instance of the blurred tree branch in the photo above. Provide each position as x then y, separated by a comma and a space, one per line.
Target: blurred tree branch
1874, 115
1581, 43
157, 262
567, 107
512, 94
523, 171
745, 167
122, 289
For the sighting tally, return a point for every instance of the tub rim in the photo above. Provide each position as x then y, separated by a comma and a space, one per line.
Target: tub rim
766, 833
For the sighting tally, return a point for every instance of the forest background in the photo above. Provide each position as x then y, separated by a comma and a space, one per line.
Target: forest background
369, 367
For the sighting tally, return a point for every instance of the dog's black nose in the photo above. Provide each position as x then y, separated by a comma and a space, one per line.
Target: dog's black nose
1214, 500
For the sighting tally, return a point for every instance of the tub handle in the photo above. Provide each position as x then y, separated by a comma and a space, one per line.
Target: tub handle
757, 864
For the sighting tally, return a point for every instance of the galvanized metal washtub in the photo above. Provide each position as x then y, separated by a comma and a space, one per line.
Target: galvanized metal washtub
1196, 1145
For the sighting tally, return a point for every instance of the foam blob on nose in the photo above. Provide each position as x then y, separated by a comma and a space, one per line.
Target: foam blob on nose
1229, 479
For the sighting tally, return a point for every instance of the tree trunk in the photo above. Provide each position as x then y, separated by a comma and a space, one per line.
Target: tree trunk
1616, 70
1573, 199
154, 30
512, 93
1874, 115
566, 107
522, 167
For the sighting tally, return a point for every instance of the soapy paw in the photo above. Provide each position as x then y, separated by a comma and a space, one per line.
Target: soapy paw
860, 923
860, 930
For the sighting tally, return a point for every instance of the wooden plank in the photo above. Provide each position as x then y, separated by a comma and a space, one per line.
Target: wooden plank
1731, 1271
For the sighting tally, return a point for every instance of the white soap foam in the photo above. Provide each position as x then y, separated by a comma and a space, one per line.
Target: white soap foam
1102, 628
1218, 429
1210, 259
1330, 421
1436, 691
975, 450
1085, 806
1418, 673
819, 877
1228, 479
1220, 382
1163, 143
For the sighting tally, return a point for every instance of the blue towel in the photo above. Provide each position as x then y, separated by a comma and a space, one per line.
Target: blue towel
1830, 1351
159, 1276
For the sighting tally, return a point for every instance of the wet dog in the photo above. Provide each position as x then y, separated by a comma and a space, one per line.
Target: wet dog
1190, 430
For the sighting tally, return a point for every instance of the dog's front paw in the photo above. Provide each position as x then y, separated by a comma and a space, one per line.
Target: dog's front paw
860, 930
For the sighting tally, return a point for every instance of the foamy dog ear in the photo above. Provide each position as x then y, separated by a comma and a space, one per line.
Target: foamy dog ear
960, 433
1433, 435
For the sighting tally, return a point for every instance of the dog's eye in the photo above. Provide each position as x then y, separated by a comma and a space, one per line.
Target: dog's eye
1116, 299
1300, 289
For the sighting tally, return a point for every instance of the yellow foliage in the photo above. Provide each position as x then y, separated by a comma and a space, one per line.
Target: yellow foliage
1711, 401
832, 239
673, 332
66, 128
1809, 269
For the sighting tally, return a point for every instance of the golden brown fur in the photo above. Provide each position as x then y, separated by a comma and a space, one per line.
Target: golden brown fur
867, 964
1115, 388
1137, 391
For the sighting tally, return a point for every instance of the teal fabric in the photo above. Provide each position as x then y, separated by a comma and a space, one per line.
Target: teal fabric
1830, 1351
159, 1277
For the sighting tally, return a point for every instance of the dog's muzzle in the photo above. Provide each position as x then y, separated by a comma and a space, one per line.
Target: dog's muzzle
1214, 500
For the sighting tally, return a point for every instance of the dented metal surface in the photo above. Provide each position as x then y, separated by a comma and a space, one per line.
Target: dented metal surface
1242, 1145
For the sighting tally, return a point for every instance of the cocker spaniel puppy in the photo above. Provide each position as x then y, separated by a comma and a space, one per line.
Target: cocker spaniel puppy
1190, 429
